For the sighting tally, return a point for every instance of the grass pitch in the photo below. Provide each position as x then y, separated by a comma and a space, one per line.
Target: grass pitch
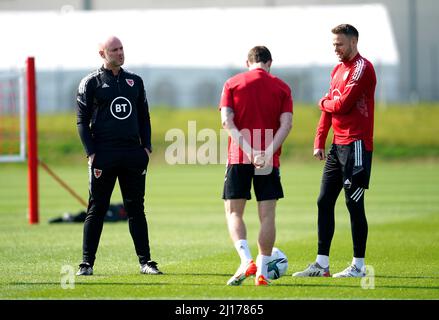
189, 239
401, 132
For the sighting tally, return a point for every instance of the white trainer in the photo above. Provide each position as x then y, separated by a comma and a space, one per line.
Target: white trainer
350, 272
150, 268
313, 270
85, 269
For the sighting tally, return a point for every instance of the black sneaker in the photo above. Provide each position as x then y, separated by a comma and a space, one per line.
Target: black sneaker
85, 269
150, 268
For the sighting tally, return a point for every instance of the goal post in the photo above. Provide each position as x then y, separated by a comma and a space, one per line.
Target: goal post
12, 117
18, 126
32, 156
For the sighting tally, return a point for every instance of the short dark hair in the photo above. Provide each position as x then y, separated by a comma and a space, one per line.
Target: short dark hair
259, 54
346, 29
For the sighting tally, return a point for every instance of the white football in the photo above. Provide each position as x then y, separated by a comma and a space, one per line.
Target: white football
278, 264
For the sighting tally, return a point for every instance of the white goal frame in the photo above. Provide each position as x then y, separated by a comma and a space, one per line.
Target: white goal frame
21, 156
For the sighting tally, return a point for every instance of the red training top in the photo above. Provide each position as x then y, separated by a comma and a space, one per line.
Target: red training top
349, 105
257, 99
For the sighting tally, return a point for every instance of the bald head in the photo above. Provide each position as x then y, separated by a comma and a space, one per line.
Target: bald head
108, 42
111, 51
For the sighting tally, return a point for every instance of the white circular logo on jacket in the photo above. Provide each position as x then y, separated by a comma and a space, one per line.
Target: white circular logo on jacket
121, 108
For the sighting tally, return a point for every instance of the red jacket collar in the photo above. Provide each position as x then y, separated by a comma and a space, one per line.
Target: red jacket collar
352, 61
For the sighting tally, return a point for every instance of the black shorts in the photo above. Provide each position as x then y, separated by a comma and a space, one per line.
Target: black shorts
238, 179
354, 162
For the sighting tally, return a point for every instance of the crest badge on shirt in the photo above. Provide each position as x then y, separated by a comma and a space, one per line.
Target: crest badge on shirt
97, 173
130, 82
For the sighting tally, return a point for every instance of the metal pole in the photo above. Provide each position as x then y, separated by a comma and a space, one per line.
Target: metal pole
434, 73
413, 51
32, 141
62, 183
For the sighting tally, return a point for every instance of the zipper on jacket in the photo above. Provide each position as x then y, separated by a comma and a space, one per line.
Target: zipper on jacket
117, 79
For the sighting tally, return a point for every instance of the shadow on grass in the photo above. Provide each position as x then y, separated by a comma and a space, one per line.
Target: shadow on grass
407, 277
274, 285
91, 283
329, 285
200, 274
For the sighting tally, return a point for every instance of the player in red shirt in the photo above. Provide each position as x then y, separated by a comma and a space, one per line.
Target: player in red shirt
349, 108
257, 111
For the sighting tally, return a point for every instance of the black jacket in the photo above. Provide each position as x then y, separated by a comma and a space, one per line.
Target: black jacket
113, 112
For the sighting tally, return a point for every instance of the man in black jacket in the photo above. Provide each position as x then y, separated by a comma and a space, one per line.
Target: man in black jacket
115, 130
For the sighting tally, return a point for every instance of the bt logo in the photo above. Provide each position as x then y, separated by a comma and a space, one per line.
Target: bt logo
121, 108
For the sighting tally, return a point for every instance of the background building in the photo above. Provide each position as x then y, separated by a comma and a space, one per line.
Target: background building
407, 70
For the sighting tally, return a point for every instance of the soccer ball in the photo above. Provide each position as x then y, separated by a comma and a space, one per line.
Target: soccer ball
278, 264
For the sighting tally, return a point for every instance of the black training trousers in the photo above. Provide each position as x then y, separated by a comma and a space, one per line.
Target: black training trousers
348, 167
129, 167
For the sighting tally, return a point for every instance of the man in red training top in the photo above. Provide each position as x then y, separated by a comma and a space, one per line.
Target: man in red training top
257, 112
349, 108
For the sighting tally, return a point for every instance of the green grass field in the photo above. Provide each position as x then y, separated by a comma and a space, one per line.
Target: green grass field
187, 227
400, 131
189, 238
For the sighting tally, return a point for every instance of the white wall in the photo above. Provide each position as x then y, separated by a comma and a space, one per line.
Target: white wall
424, 69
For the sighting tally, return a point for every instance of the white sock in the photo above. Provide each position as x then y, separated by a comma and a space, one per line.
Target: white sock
358, 262
243, 250
262, 265
322, 260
